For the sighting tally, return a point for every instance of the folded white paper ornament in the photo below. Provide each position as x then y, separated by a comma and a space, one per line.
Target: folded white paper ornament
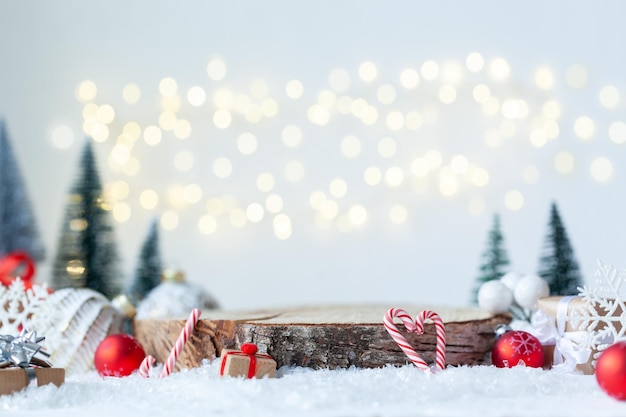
74, 322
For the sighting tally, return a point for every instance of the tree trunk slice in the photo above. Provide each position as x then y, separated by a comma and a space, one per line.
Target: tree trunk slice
323, 337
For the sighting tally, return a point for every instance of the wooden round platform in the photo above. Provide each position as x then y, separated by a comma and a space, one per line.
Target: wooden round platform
323, 337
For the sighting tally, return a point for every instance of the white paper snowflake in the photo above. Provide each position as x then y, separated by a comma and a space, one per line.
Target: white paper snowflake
603, 315
18, 306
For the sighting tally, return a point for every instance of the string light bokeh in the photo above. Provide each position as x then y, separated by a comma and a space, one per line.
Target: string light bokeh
311, 159
399, 147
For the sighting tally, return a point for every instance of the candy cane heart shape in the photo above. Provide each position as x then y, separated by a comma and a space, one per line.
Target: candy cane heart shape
417, 326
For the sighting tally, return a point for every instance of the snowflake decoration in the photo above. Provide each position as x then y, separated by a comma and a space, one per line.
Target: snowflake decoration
18, 306
603, 314
523, 343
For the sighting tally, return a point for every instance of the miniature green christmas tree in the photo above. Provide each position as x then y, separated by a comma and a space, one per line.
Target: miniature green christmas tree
87, 252
557, 264
494, 259
149, 267
18, 229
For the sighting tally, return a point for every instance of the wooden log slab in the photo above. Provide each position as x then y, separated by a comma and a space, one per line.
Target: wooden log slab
323, 337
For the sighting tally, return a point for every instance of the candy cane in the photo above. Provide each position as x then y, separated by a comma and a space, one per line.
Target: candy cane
417, 326
440, 357
146, 364
180, 342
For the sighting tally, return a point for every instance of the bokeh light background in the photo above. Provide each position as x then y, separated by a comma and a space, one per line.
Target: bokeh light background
322, 152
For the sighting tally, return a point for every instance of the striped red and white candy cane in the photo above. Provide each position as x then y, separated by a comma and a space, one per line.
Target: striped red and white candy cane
440, 357
146, 365
406, 347
168, 367
417, 326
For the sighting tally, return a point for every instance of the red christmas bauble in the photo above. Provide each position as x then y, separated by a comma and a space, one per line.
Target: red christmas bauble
611, 370
517, 347
118, 355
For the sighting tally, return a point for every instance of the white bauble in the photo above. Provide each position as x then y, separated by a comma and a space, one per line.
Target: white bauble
529, 289
74, 321
510, 279
495, 297
174, 300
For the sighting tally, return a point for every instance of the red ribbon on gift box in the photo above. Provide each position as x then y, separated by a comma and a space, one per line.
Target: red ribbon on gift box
17, 264
247, 349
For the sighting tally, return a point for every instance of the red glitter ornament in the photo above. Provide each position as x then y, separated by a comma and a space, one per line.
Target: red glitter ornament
118, 355
611, 370
517, 347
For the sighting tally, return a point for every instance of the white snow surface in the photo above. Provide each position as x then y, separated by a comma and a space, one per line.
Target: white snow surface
405, 391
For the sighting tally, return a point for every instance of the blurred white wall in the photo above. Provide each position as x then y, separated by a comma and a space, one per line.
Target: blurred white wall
565, 53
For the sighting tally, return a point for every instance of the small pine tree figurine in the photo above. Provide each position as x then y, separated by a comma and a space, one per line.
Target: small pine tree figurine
494, 259
149, 267
558, 265
87, 254
18, 230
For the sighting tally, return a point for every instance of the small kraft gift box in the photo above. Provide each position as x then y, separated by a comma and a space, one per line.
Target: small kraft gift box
19, 365
565, 333
16, 379
247, 362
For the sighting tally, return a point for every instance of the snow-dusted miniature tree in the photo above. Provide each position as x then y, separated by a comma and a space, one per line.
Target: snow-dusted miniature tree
149, 266
18, 229
87, 252
558, 265
494, 259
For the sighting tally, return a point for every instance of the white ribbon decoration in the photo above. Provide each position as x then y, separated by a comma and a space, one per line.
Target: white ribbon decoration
567, 345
